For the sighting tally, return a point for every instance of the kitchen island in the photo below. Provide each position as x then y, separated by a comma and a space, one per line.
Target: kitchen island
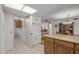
61, 44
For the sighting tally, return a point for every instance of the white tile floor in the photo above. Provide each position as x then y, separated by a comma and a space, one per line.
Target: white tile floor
21, 48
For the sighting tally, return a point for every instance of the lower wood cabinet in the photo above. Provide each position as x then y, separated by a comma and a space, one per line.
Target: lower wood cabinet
55, 46
62, 49
49, 46
77, 51
77, 48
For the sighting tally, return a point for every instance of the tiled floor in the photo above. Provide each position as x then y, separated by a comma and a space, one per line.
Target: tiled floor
21, 48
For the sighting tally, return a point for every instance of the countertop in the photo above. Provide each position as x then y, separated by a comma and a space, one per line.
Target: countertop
69, 38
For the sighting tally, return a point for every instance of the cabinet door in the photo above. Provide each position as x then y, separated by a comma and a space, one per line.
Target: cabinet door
48, 46
62, 47
77, 51
77, 48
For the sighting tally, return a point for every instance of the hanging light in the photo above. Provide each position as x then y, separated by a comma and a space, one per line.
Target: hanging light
67, 21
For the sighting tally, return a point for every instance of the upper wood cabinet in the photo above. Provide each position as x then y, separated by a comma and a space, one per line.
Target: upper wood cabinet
18, 23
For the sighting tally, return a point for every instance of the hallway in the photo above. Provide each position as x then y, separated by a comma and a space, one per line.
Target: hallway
21, 48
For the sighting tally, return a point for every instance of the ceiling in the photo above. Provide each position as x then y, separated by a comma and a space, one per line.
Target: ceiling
48, 10
15, 12
53, 10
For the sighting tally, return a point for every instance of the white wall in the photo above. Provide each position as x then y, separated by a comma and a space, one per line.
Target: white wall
6, 31
33, 31
2, 32
9, 30
50, 29
76, 27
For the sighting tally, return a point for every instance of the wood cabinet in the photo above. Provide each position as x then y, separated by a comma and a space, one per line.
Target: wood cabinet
56, 46
48, 46
62, 47
77, 48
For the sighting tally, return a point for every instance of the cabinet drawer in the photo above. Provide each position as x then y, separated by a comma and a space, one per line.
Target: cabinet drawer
69, 44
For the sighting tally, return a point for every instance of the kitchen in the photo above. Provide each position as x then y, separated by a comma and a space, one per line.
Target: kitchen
39, 29
52, 29
65, 40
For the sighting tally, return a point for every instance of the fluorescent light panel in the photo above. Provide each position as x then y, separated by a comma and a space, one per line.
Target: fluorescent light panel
29, 10
15, 6
20, 6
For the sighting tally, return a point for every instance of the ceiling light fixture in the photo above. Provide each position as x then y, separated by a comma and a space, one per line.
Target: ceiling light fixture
21, 7
67, 22
15, 6
29, 9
